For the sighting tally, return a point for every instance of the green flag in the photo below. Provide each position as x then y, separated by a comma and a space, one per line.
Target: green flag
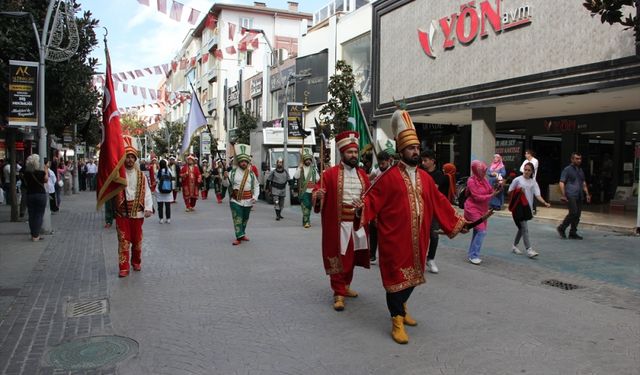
358, 123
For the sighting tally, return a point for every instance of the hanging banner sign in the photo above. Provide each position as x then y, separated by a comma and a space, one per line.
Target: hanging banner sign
294, 120
23, 91
205, 143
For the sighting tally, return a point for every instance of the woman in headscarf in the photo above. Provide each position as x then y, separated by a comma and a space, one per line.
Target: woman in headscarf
479, 193
450, 172
496, 174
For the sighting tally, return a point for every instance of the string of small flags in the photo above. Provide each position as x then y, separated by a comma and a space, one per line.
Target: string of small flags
176, 10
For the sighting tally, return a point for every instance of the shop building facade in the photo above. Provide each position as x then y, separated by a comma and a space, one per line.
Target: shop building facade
486, 76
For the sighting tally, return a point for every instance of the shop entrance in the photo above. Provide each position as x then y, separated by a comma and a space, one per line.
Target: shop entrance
548, 151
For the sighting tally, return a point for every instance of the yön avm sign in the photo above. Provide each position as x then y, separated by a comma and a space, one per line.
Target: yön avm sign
470, 21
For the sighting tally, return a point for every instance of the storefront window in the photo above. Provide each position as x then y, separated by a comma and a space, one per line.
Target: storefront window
357, 53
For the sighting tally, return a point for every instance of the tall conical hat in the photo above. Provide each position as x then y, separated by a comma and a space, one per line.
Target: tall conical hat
403, 130
243, 152
129, 147
306, 154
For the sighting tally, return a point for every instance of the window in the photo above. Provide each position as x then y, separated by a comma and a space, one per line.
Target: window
257, 107
357, 53
249, 58
246, 23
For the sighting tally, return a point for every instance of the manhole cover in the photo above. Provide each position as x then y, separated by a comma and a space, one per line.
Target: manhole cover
86, 308
91, 352
561, 284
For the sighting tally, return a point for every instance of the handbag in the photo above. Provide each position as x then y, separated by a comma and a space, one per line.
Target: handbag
60, 183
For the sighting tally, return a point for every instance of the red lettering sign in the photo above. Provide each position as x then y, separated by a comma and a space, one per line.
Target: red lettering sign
469, 22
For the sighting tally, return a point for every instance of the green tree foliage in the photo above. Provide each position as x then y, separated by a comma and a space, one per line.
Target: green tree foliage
70, 98
246, 123
611, 11
168, 139
336, 111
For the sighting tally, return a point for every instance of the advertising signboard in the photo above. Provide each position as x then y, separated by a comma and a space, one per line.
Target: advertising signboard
205, 143
23, 90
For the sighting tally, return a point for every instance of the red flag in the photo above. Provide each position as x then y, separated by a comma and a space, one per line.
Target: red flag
210, 22
193, 16
231, 50
255, 43
174, 66
139, 73
192, 62
218, 54
176, 11
232, 30
162, 6
183, 64
111, 174
125, 88
205, 58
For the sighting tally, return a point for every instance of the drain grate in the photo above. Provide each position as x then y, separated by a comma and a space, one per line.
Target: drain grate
86, 308
561, 284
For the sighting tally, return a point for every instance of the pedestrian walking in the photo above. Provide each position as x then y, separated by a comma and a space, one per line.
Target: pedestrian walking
165, 192
343, 247
132, 205
244, 187
530, 157
175, 173
92, 171
403, 201
50, 187
276, 185
523, 190
429, 165
218, 175
153, 180
35, 180
573, 190
82, 176
206, 179
479, 193
307, 176
68, 177
191, 180
61, 170
496, 174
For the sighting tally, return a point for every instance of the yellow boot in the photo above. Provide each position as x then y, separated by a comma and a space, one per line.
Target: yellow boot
408, 319
338, 303
351, 293
397, 330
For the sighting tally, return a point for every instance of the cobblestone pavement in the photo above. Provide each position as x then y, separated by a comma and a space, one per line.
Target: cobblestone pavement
202, 306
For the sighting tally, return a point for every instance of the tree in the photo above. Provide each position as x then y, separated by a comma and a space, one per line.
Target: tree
168, 139
611, 12
246, 123
336, 111
70, 98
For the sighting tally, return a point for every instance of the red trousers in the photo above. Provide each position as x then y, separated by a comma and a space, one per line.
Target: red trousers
340, 281
129, 236
190, 202
205, 194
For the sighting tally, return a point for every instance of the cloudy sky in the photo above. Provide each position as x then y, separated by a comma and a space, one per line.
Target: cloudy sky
140, 36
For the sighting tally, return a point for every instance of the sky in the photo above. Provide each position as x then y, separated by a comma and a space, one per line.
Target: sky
140, 36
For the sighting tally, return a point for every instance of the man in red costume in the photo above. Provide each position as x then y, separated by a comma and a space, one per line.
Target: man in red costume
131, 206
191, 180
403, 201
343, 247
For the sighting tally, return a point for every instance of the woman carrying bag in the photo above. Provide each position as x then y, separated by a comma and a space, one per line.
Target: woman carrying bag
523, 189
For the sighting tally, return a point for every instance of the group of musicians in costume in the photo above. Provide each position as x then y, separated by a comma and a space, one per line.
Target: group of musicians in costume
396, 205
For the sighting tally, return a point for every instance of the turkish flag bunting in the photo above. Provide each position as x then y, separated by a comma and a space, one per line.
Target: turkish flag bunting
111, 174
165, 68
255, 43
210, 22
205, 58
143, 92
139, 73
192, 62
193, 16
148, 70
152, 94
231, 50
174, 66
232, 30
183, 64
176, 11
123, 76
157, 70
218, 54
133, 76
135, 90
162, 6
144, 2
125, 87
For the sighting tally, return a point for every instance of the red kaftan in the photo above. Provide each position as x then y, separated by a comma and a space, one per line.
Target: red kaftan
191, 180
332, 181
404, 223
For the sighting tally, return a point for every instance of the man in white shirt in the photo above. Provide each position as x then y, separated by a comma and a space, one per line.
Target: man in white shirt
245, 189
529, 157
132, 205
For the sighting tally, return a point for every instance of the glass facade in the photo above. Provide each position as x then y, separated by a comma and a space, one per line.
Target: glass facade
357, 53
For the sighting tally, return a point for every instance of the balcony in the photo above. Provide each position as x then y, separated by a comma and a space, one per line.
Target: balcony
210, 43
212, 73
212, 104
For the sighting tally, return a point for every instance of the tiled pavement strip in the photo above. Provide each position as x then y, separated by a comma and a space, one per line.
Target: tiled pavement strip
241, 312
